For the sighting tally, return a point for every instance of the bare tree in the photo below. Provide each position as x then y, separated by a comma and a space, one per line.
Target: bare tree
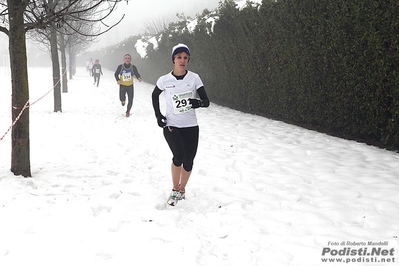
156, 26
16, 18
55, 36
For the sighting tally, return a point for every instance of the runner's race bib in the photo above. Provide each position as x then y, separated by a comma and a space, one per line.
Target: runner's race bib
180, 102
127, 76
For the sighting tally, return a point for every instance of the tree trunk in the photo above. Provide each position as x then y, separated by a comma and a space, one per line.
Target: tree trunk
20, 144
56, 69
72, 61
63, 64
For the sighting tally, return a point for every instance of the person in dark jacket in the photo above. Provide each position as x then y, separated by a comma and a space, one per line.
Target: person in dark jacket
96, 71
124, 76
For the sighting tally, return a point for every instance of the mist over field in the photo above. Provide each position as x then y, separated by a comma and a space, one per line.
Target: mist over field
136, 15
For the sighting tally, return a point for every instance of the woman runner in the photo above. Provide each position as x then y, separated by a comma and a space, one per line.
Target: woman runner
180, 127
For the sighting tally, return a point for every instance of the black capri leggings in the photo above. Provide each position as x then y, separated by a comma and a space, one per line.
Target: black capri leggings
183, 142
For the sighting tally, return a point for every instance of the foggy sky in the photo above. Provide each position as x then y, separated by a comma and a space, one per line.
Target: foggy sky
137, 13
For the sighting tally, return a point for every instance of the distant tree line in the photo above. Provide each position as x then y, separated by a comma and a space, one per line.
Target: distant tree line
331, 66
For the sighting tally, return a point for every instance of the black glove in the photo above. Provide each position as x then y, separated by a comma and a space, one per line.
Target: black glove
195, 103
161, 120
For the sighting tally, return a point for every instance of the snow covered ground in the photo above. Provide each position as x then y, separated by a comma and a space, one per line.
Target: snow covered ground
262, 192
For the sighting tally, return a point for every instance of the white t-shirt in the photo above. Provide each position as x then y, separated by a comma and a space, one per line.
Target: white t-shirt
177, 92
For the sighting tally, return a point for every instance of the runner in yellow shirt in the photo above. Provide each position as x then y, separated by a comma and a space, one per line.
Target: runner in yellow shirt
124, 76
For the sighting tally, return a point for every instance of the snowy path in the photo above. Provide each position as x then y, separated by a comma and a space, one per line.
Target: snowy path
262, 192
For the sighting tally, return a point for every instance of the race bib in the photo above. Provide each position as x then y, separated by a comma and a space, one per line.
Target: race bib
180, 102
97, 70
127, 76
